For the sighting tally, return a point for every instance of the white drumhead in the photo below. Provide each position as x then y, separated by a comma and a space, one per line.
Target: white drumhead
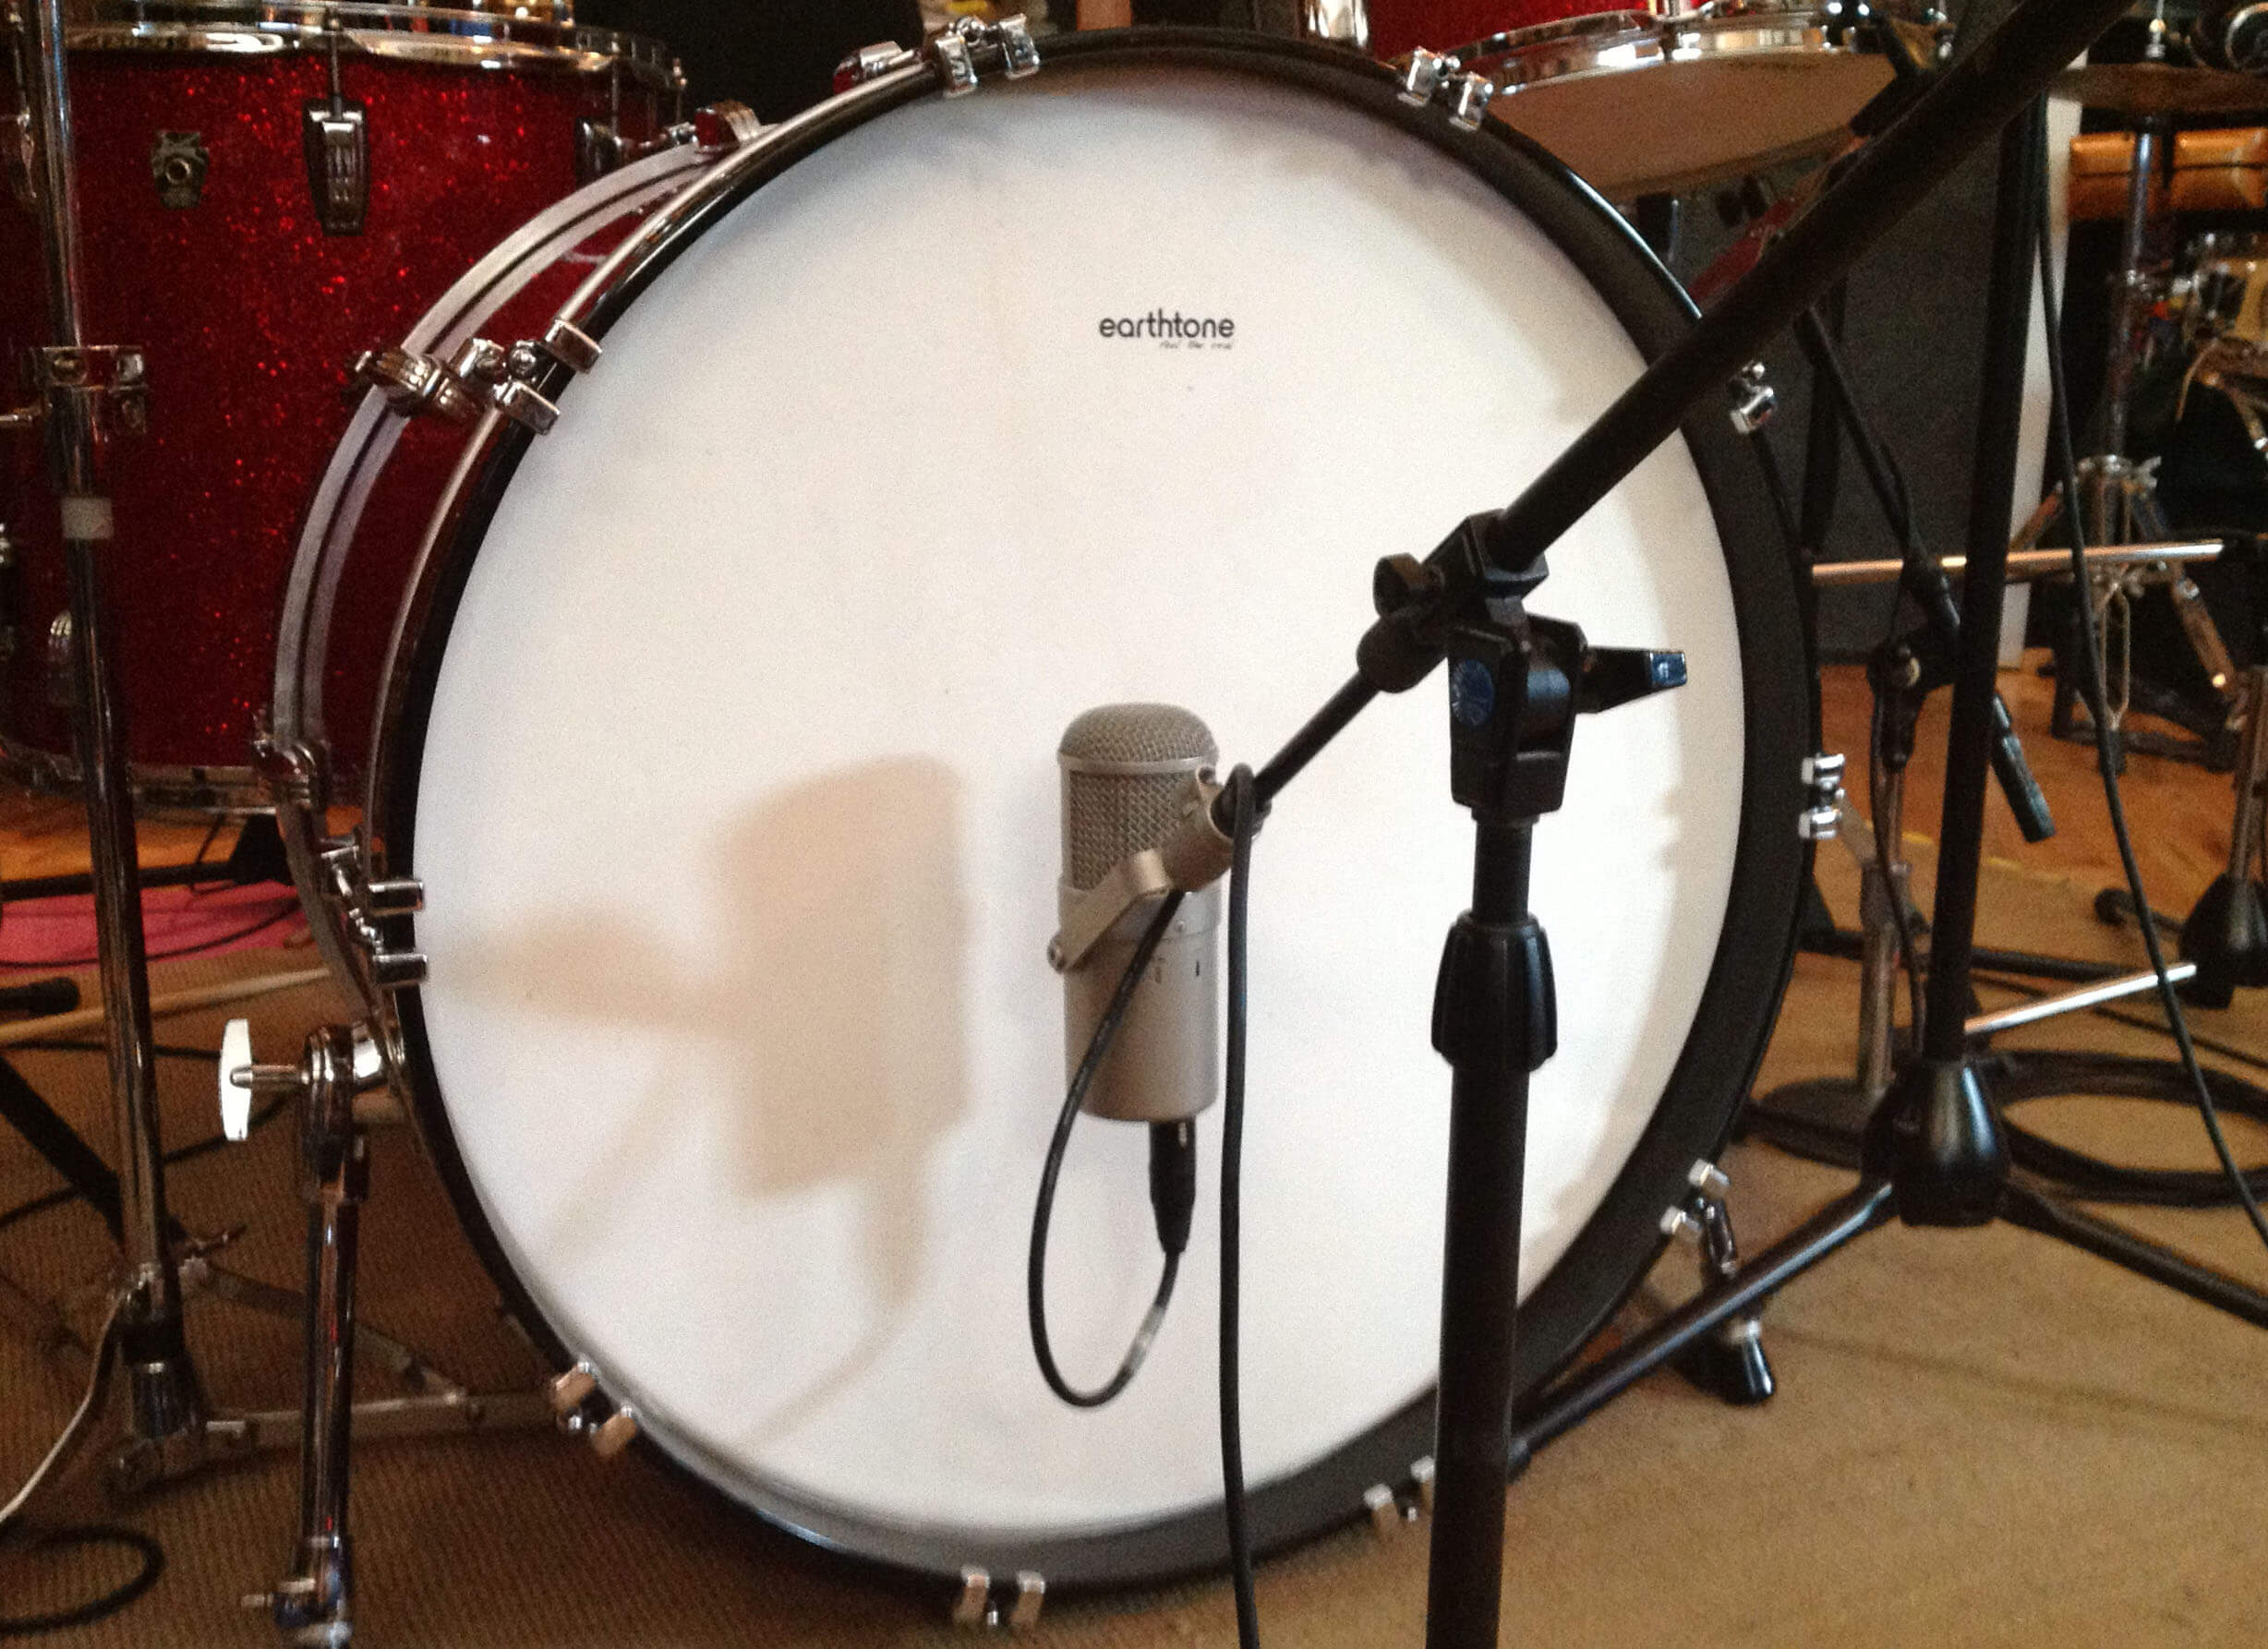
737, 814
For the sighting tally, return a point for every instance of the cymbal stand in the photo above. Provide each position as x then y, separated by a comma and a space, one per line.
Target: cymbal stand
2121, 505
89, 395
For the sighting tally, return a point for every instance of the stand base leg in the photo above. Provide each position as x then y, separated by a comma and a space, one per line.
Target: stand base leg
1583, 1394
2035, 1211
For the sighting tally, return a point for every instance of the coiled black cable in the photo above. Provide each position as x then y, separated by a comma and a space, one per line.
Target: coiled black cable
1035, 1264
108, 1603
2064, 1073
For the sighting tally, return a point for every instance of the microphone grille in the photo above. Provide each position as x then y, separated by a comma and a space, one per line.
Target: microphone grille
1123, 767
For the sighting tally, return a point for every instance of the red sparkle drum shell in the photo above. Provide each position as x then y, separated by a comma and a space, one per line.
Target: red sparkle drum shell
1399, 26
248, 312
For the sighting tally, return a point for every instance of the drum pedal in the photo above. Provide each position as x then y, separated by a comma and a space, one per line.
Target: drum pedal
974, 1611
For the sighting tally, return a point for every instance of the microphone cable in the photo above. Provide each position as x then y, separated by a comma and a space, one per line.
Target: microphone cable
2065, 456
1173, 1189
1245, 814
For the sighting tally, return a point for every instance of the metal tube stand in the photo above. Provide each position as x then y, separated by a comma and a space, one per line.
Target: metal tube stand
87, 392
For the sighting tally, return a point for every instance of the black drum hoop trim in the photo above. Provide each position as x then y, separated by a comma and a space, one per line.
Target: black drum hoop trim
1738, 1003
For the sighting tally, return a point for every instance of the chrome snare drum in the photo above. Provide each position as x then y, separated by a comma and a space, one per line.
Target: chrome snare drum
1643, 103
721, 733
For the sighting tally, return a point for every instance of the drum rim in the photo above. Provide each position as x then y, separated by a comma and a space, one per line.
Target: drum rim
1738, 1003
466, 33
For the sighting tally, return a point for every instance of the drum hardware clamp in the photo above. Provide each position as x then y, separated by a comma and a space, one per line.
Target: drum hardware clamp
1389, 1513
973, 1607
583, 1412
1731, 1365
478, 370
1437, 78
961, 54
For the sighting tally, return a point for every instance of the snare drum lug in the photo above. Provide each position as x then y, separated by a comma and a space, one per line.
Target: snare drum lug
1754, 398
1708, 1179
1386, 1512
1679, 1225
1421, 1474
1821, 819
335, 135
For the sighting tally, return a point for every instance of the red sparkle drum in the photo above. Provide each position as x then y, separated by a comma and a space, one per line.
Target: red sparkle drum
1399, 26
264, 190
720, 726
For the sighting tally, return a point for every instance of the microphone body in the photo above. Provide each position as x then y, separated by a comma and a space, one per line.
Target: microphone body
1128, 772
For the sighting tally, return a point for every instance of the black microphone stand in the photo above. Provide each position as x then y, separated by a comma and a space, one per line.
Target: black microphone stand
1934, 1155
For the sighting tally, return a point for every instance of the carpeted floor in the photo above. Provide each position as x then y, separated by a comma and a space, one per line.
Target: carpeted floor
1980, 1438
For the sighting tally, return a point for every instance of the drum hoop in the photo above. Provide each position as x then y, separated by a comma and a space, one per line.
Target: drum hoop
335, 513
1753, 954
467, 36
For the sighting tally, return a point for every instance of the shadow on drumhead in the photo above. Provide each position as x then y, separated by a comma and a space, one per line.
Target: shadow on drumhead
825, 1029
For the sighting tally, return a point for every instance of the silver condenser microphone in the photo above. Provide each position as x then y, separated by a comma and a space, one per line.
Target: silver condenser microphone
1131, 777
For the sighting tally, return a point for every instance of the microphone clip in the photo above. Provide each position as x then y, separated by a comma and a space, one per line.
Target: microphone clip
1193, 855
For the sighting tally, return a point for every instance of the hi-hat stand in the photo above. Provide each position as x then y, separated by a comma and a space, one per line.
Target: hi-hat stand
91, 394
2120, 507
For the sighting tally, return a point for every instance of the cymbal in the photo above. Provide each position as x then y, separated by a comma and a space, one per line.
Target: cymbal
2160, 88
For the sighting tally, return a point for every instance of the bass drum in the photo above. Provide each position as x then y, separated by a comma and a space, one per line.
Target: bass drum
721, 733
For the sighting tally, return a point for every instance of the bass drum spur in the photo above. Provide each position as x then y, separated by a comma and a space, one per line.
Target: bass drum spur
720, 729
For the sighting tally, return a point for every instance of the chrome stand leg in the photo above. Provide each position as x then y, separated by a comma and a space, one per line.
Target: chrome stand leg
83, 387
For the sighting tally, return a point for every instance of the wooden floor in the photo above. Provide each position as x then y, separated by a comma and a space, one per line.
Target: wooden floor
1980, 1439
